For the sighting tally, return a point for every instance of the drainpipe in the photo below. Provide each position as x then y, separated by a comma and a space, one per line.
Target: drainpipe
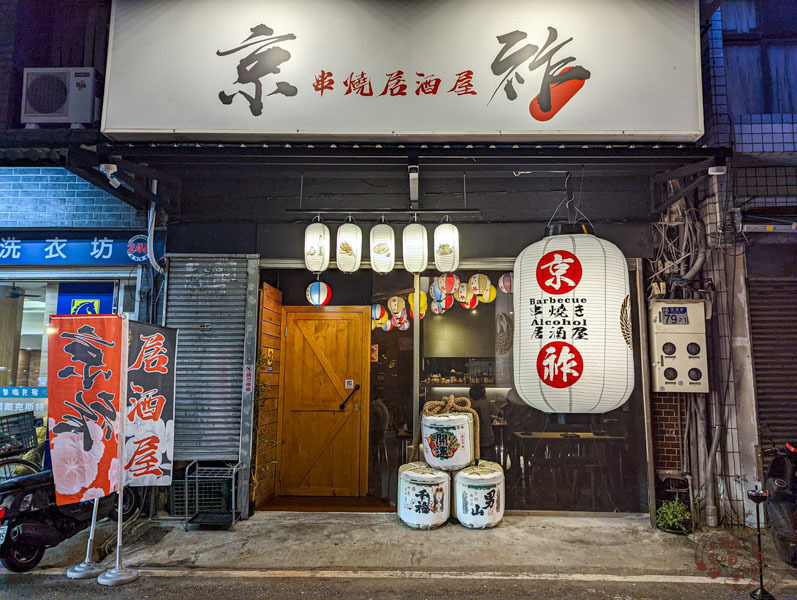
711, 507
151, 229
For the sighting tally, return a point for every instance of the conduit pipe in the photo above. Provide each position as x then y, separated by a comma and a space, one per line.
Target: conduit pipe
151, 229
697, 265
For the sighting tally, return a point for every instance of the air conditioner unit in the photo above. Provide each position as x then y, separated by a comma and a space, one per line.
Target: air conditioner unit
59, 95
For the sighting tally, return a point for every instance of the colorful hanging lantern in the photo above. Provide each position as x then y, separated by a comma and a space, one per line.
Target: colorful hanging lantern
402, 315
435, 292
505, 282
415, 246
349, 247
382, 248
447, 302
404, 325
377, 311
388, 325
488, 296
448, 283
318, 293
316, 247
573, 337
422, 302
480, 284
396, 304
446, 247
471, 302
437, 307
374, 324
463, 293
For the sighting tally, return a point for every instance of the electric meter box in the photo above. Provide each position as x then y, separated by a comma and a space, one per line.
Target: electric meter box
677, 331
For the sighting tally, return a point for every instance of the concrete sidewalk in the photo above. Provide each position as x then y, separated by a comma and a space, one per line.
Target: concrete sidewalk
285, 540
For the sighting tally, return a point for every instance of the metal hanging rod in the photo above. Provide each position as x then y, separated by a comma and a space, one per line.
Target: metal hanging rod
383, 211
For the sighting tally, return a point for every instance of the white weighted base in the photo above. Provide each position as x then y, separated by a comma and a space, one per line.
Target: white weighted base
85, 570
118, 576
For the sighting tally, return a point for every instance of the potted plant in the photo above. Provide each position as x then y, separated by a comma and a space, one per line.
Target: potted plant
674, 516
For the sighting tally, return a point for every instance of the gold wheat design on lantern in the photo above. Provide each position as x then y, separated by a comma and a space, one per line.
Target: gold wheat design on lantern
625, 321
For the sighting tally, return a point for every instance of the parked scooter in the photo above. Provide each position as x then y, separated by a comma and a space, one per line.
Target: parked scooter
30, 520
781, 506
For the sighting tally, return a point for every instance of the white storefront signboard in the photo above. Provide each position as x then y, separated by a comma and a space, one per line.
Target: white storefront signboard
519, 70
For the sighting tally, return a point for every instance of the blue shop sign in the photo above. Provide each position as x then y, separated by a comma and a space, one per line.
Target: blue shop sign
14, 392
58, 250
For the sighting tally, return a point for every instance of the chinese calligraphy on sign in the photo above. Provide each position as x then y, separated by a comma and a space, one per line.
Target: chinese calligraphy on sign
149, 433
85, 374
263, 61
559, 364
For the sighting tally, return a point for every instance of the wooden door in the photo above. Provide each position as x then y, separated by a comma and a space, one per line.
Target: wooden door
267, 395
323, 449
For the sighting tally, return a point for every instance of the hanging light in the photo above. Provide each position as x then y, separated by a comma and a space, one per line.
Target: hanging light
505, 282
316, 247
382, 248
581, 360
318, 293
415, 245
480, 284
446, 247
422, 303
488, 296
448, 283
349, 247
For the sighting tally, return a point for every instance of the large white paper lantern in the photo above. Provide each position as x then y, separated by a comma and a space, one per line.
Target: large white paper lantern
349, 247
573, 338
446, 247
415, 247
382, 248
316, 247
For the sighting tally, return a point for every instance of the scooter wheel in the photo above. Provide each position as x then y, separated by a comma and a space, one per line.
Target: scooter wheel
20, 557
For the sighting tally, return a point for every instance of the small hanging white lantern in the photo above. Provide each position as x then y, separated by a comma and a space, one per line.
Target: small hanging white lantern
316, 247
382, 248
349, 247
446, 247
415, 245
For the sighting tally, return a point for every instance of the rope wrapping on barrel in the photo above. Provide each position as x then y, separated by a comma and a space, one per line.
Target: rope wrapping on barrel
449, 404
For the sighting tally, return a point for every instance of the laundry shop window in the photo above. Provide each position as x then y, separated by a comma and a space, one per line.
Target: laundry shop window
25, 311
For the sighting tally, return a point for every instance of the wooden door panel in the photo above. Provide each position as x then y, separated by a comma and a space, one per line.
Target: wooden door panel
321, 446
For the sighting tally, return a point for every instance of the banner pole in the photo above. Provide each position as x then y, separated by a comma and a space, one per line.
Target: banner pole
88, 568
120, 575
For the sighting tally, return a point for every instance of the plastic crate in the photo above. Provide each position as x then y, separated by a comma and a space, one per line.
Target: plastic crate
214, 496
17, 433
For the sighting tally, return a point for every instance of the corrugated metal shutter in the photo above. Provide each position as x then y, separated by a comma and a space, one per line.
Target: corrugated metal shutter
206, 301
773, 323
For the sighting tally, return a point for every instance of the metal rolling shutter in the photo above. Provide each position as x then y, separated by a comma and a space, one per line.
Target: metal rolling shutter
206, 301
773, 323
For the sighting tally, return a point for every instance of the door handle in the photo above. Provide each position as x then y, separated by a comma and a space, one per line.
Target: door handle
356, 387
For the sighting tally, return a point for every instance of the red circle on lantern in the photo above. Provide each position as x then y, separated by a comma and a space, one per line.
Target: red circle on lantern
558, 272
559, 365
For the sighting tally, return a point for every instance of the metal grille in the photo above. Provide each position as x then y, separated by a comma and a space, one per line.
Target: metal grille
214, 496
773, 324
206, 301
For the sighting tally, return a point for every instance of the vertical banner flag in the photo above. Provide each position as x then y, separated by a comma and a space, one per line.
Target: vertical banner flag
149, 429
85, 377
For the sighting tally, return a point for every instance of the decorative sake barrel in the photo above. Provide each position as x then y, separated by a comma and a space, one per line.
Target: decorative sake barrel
448, 440
423, 496
478, 500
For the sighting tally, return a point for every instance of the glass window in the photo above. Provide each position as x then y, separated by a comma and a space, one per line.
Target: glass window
551, 461
25, 311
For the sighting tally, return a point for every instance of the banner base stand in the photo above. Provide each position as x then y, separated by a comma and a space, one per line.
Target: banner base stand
118, 576
85, 570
